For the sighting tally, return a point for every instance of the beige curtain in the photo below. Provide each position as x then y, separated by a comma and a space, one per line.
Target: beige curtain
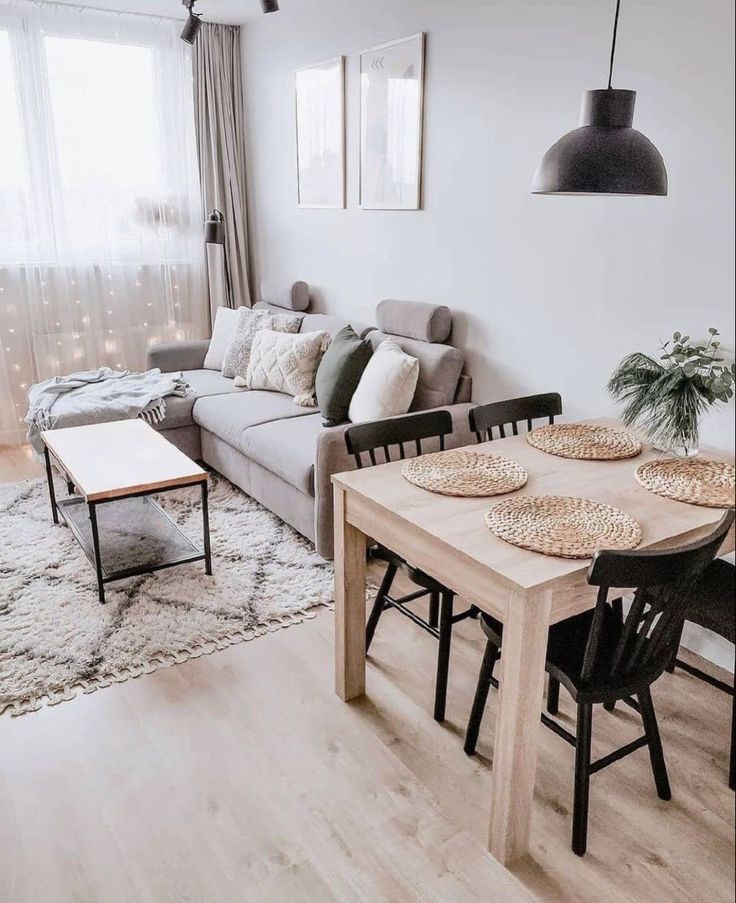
219, 115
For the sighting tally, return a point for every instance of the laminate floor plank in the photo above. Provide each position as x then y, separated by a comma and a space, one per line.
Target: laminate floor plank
240, 777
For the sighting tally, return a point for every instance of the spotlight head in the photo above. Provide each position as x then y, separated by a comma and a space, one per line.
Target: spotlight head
214, 228
192, 25
270, 6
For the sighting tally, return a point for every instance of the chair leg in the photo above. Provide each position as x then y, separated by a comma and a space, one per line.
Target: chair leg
490, 657
656, 753
673, 661
553, 696
618, 607
584, 732
378, 606
443, 656
434, 609
732, 766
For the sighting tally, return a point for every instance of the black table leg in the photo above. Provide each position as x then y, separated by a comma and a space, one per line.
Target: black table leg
96, 544
206, 529
50, 478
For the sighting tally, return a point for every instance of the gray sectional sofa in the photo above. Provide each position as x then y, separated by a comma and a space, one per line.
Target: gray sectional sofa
280, 453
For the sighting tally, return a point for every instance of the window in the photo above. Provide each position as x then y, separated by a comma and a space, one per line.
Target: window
98, 147
14, 207
101, 250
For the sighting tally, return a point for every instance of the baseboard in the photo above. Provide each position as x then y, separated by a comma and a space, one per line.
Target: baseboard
709, 645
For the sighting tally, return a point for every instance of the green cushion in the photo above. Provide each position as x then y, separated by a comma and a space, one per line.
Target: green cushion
339, 373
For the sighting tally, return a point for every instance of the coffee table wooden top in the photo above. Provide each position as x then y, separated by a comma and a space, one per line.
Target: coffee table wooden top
113, 460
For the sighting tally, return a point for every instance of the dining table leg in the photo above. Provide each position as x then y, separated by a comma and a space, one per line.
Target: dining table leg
350, 561
521, 686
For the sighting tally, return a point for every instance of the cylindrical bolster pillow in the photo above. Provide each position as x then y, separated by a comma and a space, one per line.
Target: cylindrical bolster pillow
414, 320
300, 296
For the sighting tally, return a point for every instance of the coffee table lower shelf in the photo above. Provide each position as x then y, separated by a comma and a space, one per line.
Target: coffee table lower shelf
135, 536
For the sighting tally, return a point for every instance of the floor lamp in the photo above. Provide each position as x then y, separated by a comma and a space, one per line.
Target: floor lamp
217, 270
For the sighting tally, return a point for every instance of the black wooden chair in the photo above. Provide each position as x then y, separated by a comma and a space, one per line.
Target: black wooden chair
501, 414
376, 440
601, 657
712, 604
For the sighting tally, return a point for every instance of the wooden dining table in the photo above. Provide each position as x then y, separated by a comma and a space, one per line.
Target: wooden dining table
447, 538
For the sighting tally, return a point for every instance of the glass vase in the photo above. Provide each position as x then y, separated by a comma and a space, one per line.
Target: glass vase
680, 448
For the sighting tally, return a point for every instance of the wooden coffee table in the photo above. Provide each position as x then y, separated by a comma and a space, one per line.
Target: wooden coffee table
112, 470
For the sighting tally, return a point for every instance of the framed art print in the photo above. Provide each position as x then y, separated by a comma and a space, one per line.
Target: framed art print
320, 134
391, 121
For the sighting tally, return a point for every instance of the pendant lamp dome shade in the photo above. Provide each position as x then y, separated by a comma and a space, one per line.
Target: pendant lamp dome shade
605, 155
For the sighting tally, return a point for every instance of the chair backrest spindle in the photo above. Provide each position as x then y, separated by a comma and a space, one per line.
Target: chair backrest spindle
397, 433
498, 415
663, 582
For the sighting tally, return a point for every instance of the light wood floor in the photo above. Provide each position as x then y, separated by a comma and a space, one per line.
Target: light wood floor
241, 777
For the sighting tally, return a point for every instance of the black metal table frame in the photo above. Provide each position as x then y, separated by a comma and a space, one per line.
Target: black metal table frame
102, 579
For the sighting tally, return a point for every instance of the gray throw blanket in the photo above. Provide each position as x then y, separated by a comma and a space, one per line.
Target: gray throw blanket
99, 396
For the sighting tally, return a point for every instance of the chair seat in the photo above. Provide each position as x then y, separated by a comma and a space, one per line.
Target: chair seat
566, 650
415, 575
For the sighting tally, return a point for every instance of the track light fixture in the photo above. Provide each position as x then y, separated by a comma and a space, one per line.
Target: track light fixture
192, 25
194, 21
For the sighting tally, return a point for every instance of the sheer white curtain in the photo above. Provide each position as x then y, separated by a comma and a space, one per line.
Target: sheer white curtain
101, 249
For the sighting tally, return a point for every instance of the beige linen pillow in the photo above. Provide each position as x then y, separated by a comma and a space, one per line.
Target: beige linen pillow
387, 386
235, 360
280, 362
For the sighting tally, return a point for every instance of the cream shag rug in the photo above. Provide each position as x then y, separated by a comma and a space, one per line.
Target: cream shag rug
56, 639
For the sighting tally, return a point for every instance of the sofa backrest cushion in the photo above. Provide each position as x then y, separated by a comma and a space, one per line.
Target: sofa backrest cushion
414, 320
439, 369
331, 324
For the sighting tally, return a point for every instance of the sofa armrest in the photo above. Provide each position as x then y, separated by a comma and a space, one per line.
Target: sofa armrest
332, 457
175, 356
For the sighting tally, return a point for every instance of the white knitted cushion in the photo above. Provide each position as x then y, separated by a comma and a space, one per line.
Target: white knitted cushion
387, 386
287, 363
235, 361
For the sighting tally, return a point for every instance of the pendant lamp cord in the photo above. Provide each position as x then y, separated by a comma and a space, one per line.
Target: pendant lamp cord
613, 43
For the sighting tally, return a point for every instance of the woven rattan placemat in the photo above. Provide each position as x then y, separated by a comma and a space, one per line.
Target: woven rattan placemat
464, 472
586, 441
696, 481
562, 526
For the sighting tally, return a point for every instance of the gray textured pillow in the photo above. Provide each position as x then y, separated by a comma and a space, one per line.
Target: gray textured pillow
237, 356
339, 374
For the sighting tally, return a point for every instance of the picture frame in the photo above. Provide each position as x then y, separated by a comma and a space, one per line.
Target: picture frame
320, 134
392, 124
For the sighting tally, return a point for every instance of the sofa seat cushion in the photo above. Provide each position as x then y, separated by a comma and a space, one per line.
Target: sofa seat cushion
229, 416
203, 383
287, 448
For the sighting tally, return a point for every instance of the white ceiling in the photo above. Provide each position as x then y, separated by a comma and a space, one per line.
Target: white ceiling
234, 12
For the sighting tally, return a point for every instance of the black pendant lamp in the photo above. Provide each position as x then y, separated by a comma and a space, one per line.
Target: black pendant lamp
605, 155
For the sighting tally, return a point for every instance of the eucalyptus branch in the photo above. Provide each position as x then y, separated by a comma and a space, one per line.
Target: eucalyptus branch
669, 396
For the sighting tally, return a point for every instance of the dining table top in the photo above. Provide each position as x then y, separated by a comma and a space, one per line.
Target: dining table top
459, 523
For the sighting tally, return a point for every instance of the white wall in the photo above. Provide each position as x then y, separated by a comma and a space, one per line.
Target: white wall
549, 293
